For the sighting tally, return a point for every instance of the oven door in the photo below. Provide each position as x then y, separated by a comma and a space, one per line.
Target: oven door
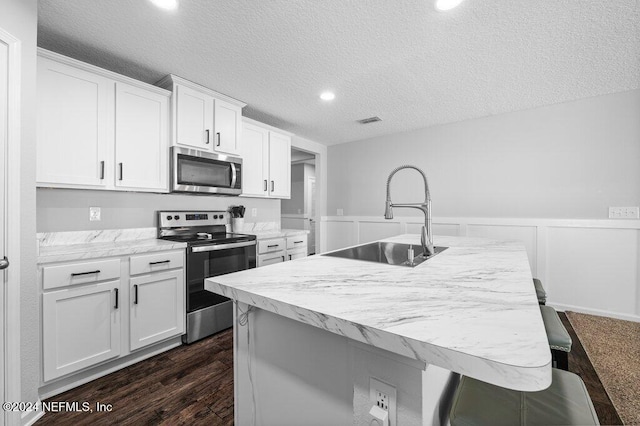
210, 261
196, 171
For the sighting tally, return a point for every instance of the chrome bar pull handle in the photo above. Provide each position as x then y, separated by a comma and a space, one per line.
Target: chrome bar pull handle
273, 186
101, 170
116, 305
135, 294
121, 170
265, 185
218, 139
207, 140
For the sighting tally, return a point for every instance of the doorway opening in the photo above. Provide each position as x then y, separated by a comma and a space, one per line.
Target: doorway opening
299, 212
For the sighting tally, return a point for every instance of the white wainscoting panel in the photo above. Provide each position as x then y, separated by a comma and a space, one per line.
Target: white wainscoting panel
448, 229
340, 234
526, 234
588, 265
373, 231
593, 268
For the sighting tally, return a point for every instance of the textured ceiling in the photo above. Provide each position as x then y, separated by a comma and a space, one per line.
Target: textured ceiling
399, 60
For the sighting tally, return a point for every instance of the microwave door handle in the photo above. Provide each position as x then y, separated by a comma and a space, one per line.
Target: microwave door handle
234, 175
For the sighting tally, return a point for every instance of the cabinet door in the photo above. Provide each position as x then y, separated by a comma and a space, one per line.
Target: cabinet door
255, 160
141, 138
228, 124
80, 327
279, 165
157, 308
74, 126
194, 119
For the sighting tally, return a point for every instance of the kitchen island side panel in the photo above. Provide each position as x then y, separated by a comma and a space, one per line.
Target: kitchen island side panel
288, 372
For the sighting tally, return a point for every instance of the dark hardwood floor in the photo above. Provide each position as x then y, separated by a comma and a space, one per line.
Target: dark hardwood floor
188, 385
579, 363
193, 385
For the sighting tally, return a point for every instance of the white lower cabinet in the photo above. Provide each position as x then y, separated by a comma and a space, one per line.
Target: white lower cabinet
157, 308
278, 250
270, 251
105, 309
80, 327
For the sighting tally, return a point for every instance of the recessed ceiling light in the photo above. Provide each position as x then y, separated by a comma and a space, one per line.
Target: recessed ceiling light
166, 4
443, 5
327, 96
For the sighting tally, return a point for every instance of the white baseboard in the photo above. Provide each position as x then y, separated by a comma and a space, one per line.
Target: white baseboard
31, 417
77, 379
596, 312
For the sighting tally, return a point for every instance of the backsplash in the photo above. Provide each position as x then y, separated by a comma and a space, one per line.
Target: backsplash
63, 210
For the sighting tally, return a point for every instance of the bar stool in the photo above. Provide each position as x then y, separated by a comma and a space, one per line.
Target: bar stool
558, 336
542, 295
565, 402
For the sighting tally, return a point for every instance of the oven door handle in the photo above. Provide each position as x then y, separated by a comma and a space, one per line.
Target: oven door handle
222, 246
234, 175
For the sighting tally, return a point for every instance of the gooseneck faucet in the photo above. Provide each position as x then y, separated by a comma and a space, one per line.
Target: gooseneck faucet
426, 235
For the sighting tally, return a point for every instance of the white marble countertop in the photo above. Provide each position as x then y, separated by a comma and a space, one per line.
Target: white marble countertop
277, 233
70, 246
471, 309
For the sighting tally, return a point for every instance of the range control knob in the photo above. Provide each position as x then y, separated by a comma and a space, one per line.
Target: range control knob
215, 216
221, 217
169, 218
176, 217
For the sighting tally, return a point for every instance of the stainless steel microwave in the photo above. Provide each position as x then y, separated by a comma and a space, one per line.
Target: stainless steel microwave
205, 173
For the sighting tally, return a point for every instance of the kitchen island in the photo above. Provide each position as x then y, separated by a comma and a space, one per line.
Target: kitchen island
310, 334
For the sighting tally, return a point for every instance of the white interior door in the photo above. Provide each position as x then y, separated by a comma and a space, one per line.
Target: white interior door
9, 224
4, 56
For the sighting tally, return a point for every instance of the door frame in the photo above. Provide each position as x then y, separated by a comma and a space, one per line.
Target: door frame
320, 151
12, 217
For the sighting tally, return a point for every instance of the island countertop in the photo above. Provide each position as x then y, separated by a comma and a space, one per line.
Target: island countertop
471, 309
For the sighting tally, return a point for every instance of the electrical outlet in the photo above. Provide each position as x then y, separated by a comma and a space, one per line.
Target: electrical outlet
94, 214
624, 213
340, 212
382, 400
254, 212
383, 395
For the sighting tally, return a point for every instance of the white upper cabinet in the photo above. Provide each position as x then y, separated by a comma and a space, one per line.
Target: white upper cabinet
279, 165
228, 124
255, 160
98, 129
266, 161
142, 122
202, 118
73, 125
194, 122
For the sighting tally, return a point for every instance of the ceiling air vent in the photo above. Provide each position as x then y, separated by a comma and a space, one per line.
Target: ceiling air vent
369, 120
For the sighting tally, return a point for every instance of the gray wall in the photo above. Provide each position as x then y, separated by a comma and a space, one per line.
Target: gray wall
571, 160
19, 17
68, 209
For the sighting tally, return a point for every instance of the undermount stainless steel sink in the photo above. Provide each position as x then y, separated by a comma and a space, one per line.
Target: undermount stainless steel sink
386, 252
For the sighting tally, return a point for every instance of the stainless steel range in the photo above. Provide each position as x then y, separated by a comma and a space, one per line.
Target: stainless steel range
211, 251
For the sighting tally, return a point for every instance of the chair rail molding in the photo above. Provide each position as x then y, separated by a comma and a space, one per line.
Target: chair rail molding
586, 265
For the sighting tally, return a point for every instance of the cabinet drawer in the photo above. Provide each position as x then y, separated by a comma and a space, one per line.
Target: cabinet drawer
80, 273
296, 254
296, 242
268, 246
270, 259
143, 264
